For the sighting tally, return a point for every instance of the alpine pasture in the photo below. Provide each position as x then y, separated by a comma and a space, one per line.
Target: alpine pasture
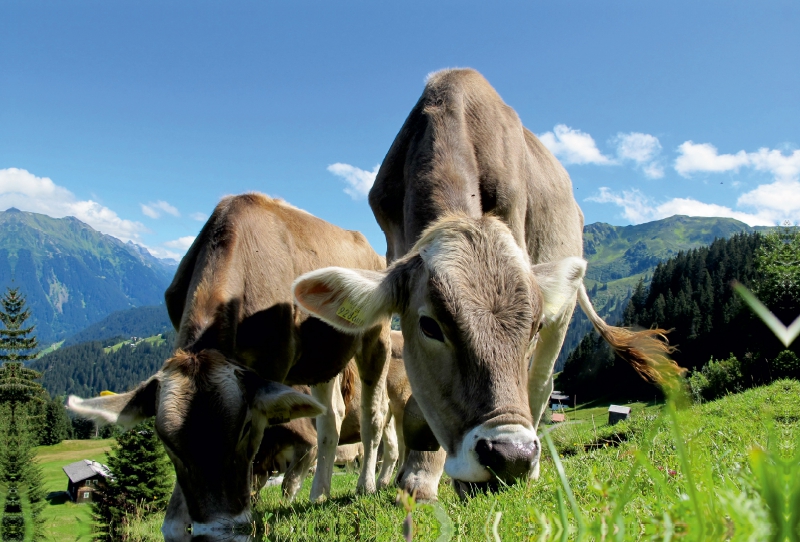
724, 470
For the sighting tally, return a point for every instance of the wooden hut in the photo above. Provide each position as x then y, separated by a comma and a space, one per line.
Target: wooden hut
85, 477
618, 413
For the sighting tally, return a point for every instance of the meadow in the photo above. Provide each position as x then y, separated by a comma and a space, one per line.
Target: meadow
725, 470
63, 519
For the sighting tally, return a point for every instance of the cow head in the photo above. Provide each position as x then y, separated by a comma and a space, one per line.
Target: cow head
470, 305
210, 414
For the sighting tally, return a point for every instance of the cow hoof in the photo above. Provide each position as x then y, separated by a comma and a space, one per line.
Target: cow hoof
422, 490
467, 490
365, 490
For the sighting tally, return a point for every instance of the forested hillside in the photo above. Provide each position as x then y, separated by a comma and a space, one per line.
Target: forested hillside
620, 256
88, 368
73, 275
136, 322
691, 294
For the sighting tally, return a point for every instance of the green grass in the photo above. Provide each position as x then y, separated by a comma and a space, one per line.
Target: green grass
634, 480
64, 520
155, 340
52, 348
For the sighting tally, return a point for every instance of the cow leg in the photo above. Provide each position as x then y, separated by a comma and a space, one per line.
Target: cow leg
540, 376
328, 426
391, 452
304, 457
373, 368
420, 473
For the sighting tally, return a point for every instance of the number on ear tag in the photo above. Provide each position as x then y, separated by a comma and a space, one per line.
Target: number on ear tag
351, 313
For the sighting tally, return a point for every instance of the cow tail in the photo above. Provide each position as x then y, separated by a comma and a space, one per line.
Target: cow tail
648, 351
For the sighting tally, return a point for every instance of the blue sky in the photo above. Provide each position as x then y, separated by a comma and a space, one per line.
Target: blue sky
136, 117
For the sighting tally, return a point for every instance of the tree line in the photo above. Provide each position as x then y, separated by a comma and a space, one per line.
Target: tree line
86, 369
719, 339
29, 417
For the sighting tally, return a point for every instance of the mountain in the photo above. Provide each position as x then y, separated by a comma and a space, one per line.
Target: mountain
620, 256
136, 322
73, 275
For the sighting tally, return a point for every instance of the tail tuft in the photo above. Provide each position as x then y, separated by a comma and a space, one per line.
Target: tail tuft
648, 351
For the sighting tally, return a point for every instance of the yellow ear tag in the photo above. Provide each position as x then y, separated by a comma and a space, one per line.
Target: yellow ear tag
106, 393
351, 313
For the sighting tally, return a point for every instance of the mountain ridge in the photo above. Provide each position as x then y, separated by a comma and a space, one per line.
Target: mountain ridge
73, 275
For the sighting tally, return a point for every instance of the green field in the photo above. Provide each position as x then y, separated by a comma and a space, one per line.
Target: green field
631, 481
65, 520
155, 340
52, 348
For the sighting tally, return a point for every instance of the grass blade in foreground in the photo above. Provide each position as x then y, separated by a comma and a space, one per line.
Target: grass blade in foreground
786, 335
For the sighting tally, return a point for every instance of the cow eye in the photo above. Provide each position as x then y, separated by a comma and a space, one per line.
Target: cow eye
431, 329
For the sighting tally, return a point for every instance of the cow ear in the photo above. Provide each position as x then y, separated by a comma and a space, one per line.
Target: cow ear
280, 404
559, 281
125, 409
351, 300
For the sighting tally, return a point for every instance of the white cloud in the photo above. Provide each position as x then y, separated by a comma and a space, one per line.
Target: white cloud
161, 252
573, 146
200, 217
637, 146
149, 211
27, 192
643, 150
182, 243
704, 157
654, 170
780, 200
639, 208
154, 209
359, 181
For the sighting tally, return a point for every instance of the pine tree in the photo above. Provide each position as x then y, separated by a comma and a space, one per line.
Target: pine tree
20, 396
21, 399
56, 425
15, 345
140, 479
777, 283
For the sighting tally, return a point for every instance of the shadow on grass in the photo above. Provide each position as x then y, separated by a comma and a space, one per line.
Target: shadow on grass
307, 507
57, 497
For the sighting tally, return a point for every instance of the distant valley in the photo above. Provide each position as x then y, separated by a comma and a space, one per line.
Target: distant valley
86, 289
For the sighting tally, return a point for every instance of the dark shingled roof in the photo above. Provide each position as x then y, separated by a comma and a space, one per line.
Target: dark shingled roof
85, 469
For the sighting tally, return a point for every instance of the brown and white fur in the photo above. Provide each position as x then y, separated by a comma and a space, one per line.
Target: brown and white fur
291, 448
484, 238
232, 295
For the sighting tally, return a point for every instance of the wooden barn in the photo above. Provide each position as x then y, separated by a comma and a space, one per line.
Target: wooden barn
85, 477
618, 413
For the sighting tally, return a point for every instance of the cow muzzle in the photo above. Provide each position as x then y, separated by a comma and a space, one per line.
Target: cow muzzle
505, 452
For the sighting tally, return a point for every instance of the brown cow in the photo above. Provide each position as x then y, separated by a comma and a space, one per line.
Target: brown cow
485, 241
232, 294
291, 448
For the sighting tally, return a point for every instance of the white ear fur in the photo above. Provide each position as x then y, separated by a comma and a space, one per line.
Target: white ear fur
280, 404
558, 281
350, 300
125, 409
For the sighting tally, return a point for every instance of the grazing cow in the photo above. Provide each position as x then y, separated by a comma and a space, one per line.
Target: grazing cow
291, 448
231, 302
484, 238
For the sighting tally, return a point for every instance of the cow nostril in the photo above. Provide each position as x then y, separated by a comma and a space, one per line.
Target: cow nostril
506, 459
